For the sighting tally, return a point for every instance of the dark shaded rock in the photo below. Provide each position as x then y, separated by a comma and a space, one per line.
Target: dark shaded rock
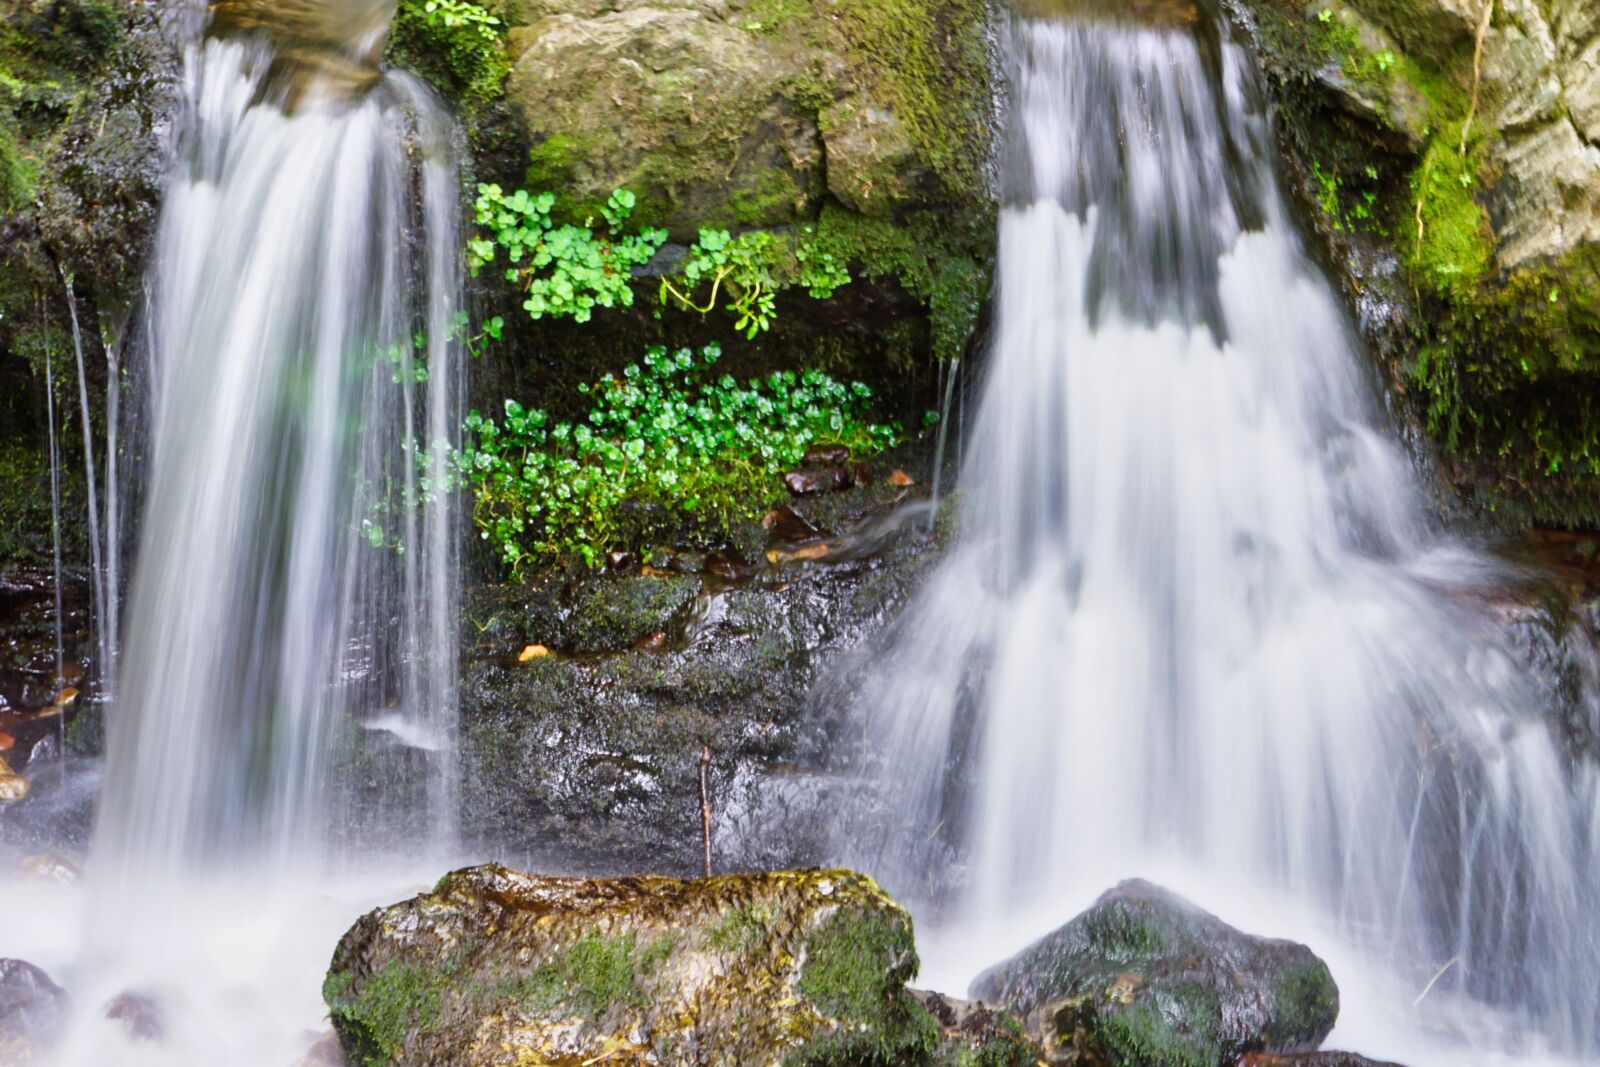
812, 482
140, 1017
612, 614
972, 1035
1146, 979
786, 524
728, 566
827, 456
32, 1009
499, 968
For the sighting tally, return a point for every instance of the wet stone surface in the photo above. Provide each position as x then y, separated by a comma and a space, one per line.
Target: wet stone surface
586, 699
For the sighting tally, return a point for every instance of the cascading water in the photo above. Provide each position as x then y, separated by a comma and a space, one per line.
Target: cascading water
282, 732
287, 392
1196, 627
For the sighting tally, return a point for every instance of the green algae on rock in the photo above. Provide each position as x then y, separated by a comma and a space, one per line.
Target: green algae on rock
495, 967
1146, 979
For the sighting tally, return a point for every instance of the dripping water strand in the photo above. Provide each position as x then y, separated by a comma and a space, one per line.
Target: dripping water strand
96, 551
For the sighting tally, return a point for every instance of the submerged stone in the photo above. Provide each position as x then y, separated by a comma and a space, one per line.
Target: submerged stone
1146, 979
494, 967
32, 1009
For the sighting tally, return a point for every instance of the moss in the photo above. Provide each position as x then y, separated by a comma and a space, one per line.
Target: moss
1452, 245
932, 58
945, 265
592, 976
466, 62
776, 192
393, 1003
740, 929
613, 614
855, 971
1307, 999
1142, 1036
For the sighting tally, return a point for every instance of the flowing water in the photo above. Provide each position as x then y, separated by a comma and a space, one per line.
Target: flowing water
1197, 627
287, 683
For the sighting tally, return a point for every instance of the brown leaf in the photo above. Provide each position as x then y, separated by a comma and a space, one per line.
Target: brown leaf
900, 479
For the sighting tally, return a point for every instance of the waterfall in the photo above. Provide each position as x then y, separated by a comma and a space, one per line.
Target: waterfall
288, 669
1197, 625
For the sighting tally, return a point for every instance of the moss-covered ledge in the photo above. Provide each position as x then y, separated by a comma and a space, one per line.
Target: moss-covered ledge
1451, 166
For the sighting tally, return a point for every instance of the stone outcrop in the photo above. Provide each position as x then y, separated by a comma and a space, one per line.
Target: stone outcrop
1146, 979
588, 701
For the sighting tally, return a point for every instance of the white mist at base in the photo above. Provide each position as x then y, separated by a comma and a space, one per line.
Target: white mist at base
232, 966
1196, 628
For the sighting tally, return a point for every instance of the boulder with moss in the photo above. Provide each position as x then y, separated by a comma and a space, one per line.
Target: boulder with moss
1146, 979
495, 967
1449, 153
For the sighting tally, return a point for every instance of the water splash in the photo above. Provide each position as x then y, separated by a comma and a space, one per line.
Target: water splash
1197, 625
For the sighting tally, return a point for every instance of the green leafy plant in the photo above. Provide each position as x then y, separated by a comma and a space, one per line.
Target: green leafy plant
456, 44
746, 272
666, 432
570, 270
564, 270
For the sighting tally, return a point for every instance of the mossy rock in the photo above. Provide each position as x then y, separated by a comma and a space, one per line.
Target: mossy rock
1457, 192
495, 967
1146, 979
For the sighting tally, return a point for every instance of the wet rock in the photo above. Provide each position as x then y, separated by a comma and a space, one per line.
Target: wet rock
827, 456
592, 761
499, 968
1146, 979
972, 1034
656, 642
728, 566
611, 614
32, 1010
812, 482
786, 524
49, 867
139, 1016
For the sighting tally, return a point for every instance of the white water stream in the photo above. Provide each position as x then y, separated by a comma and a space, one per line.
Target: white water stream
1197, 628
276, 665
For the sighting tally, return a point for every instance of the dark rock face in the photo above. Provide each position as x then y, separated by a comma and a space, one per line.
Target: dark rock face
31, 1012
1146, 979
972, 1035
587, 758
495, 967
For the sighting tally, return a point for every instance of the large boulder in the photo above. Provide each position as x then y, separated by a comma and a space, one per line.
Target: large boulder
32, 1010
1146, 979
494, 967
749, 113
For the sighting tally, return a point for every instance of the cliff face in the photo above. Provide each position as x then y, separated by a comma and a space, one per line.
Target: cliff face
1450, 153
